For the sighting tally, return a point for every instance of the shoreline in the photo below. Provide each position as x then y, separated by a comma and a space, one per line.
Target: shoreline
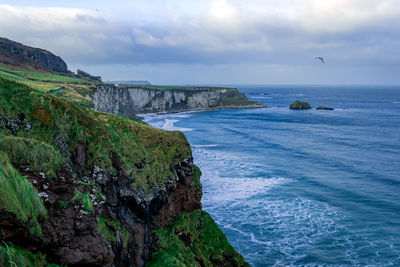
142, 115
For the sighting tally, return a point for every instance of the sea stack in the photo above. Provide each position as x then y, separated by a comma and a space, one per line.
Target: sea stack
299, 105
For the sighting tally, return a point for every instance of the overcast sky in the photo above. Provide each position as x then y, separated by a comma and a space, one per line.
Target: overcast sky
216, 41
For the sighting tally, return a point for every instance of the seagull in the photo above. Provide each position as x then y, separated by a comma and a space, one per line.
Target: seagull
320, 58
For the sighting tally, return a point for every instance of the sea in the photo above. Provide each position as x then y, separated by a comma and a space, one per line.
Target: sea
302, 187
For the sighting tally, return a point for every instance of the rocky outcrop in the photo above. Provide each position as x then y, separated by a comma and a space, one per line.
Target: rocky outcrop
130, 100
324, 108
299, 105
16, 54
84, 74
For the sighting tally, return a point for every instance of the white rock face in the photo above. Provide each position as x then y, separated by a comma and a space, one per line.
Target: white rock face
133, 100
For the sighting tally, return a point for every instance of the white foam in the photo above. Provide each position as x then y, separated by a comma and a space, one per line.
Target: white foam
261, 97
182, 115
255, 240
234, 189
201, 146
169, 126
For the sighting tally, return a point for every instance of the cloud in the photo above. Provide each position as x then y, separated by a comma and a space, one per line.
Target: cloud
214, 32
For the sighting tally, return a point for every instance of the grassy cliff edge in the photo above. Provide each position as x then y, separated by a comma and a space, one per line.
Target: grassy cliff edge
45, 139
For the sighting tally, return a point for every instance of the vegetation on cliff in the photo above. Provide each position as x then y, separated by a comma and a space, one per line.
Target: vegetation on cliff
63, 85
98, 179
194, 240
14, 256
54, 119
19, 197
84, 188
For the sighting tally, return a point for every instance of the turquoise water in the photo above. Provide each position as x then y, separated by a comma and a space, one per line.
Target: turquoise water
303, 188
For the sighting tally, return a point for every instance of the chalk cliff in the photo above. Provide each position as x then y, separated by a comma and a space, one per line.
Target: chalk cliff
130, 100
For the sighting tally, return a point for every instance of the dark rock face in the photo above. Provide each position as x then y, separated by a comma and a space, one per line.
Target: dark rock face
70, 234
325, 108
15, 124
13, 53
299, 105
87, 75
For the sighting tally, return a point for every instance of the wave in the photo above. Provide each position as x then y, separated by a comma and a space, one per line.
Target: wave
201, 146
169, 126
237, 188
261, 97
149, 117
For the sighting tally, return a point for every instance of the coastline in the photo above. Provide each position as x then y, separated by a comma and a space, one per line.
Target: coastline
143, 115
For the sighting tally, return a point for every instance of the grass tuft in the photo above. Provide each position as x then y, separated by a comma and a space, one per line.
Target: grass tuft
32, 154
14, 256
82, 199
113, 230
18, 196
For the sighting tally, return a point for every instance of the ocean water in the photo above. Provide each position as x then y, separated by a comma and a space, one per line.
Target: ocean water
303, 188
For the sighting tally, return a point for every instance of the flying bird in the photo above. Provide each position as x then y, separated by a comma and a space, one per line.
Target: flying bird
320, 58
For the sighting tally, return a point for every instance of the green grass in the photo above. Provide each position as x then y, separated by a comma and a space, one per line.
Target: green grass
32, 154
196, 177
168, 87
237, 101
76, 89
44, 76
82, 199
13, 256
134, 142
110, 229
194, 240
18, 196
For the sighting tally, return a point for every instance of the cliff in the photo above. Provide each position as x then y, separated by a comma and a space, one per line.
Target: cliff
130, 100
19, 55
82, 188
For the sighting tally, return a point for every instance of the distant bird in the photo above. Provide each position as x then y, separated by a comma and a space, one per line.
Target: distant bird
320, 58
97, 10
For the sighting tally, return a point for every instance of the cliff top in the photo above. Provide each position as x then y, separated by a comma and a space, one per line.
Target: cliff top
173, 87
99, 179
135, 142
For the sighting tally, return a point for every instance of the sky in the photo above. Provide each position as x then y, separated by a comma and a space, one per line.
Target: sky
216, 41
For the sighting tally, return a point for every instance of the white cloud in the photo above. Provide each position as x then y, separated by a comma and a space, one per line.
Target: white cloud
221, 9
286, 32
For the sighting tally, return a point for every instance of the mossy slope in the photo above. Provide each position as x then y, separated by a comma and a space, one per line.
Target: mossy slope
194, 239
64, 125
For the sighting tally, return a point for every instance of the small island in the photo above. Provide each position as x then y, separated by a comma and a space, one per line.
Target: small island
299, 105
324, 108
